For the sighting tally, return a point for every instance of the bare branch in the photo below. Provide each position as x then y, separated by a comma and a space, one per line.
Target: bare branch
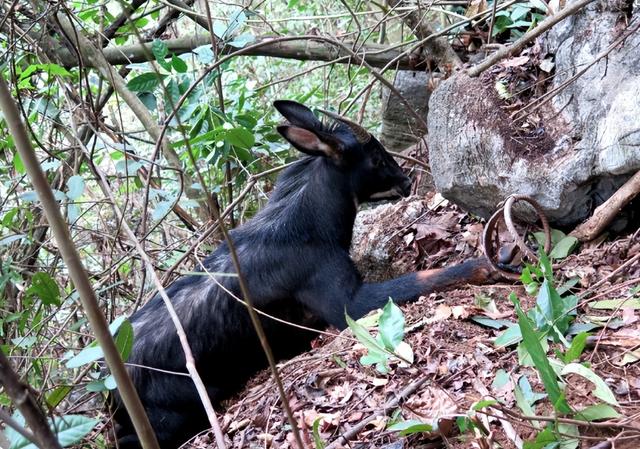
305, 48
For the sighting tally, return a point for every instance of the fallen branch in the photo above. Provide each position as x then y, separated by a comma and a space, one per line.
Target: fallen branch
607, 211
304, 49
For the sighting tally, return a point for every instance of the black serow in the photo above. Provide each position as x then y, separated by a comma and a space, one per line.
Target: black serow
294, 255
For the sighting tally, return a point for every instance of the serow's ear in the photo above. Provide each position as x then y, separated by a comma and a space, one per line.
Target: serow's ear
308, 142
297, 114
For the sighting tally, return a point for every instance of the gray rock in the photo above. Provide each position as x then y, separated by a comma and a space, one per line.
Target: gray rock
591, 140
399, 128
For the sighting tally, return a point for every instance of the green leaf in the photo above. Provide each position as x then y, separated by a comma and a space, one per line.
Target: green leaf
75, 186
145, 82
70, 430
501, 379
317, 439
242, 40
376, 354
597, 412
159, 50
544, 439
410, 427
45, 287
391, 325
178, 64
57, 395
124, 340
541, 362
161, 209
490, 322
531, 396
18, 164
484, 403
577, 346
509, 337
240, 137
87, 355
524, 405
601, 391
564, 248
569, 429
149, 100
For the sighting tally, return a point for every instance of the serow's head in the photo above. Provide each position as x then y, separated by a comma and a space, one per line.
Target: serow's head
372, 171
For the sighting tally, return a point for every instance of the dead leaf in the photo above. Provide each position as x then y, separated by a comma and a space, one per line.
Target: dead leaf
515, 62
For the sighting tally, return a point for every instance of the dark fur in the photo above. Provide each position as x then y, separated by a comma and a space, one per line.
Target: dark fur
294, 255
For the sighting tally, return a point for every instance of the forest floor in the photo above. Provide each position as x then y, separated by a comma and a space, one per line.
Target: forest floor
457, 364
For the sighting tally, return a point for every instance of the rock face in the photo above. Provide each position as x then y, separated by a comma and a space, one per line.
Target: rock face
399, 128
589, 141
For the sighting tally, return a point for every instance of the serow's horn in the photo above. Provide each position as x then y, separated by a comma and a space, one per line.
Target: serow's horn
362, 135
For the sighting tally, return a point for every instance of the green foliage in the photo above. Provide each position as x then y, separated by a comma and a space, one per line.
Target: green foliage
317, 439
69, 429
410, 427
388, 343
518, 18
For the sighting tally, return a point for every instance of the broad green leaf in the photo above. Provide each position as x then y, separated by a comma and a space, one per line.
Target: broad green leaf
410, 427
531, 396
524, 405
524, 358
564, 248
124, 340
490, 322
149, 100
242, 40
45, 287
18, 164
93, 352
577, 346
569, 429
501, 379
361, 333
391, 325
240, 137
160, 51
597, 412
509, 337
73, 212
541, 362
110, 382
87, 355
178, 64
145, 82
543, 440
75, 186
601, 391
70, 430
57, 395
161, 209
